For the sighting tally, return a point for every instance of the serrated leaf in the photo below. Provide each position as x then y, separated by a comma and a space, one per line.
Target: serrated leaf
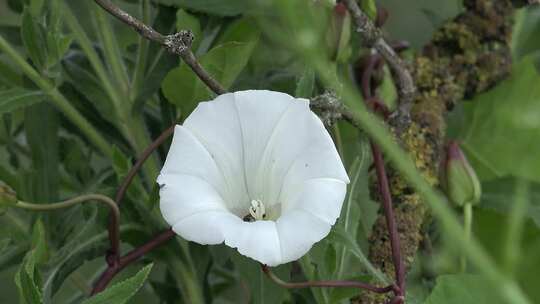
18, 98
121, 292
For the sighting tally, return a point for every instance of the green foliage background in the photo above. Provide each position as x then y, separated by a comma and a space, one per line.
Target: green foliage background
81, 95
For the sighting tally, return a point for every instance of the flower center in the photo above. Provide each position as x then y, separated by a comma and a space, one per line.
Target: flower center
257, 210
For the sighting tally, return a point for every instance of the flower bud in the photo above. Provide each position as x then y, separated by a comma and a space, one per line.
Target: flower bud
460, 181
8, 197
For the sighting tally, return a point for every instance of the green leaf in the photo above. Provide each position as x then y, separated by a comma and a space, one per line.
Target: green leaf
213, 7
184, 89
525, 33
34, 38
499, 125
121, 166
121, 292
18, 98
463, 289
41, 125
306, 84
39, 243
498, 195
263, 290
8, 76
28, 279
89, 86
369, 7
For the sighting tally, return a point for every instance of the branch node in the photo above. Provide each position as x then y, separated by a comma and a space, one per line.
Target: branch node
328, 106
178, 43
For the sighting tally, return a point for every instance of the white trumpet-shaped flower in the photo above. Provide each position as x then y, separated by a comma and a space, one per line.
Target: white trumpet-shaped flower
256, 170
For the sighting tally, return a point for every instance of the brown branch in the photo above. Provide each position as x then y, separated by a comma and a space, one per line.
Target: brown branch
373, 37
351, 284
178, 43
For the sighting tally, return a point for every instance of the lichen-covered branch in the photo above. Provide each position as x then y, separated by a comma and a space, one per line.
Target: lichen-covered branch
466, 56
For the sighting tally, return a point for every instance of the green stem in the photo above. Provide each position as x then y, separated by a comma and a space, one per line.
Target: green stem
114, 230
467, 226
87, 47
187, 281
71, 202
111, 49
134, 133
57, 99
142, 54
516, 221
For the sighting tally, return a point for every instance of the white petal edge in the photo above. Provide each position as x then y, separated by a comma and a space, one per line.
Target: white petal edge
216, 125
257, 240
320, 197
188, 156
184, 195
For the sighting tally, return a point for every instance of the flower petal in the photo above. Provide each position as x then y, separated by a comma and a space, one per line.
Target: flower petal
206, 228
260, 112
216, 126
257, 240
298, 231
299, 149
184, 195
320, 197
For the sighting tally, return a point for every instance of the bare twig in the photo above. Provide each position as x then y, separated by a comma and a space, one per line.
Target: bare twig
178, 43
373, 37
352, 284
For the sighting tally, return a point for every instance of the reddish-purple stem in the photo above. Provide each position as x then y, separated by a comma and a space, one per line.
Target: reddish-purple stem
390, 218
377, 105
113, 269
114, 253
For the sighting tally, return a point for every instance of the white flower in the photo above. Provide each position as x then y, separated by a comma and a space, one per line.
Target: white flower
256, 170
